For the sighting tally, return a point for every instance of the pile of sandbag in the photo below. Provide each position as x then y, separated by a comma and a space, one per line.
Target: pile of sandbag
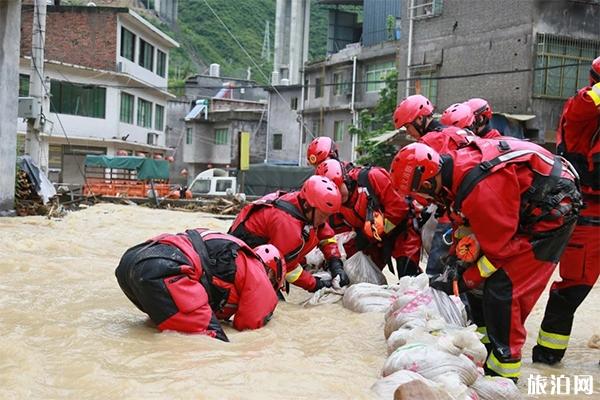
432, 351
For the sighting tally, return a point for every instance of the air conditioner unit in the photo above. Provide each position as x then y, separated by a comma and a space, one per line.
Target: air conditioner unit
120, 67
152, 138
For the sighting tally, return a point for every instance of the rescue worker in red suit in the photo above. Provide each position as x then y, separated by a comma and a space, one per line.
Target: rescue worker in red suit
189, 281
483, 114
520, 204
296, 223
320, 149
578, 140
415, 114
378, 214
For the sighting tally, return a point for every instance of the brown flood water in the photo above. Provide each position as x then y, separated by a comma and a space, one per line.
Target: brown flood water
69, 332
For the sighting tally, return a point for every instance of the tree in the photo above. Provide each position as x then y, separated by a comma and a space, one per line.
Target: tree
375, 122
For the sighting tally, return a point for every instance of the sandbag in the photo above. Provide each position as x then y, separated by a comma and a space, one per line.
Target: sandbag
416, 330
315, 258
429, 303
464, 341
431, 363
324, 296
386, 387
366, 297
496, 388
361, 269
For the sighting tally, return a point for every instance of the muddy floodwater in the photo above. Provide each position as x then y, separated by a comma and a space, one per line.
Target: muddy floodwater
67, 330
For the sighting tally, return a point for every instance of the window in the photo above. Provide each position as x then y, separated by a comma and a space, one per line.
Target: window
127, 44
146, 59
221, 136
340, 86
338, 131
159, 118
74, 99
127, 108
294, 103
23, 85
562, 64
318, 88
223, 185
161, 63
376, 74
188, 136
316, 127
277, 141
426, 8
144, 115
422, 83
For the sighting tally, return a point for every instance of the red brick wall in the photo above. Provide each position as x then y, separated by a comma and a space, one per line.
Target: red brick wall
76, 35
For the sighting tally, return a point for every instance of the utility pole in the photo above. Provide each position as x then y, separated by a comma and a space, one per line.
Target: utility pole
10, 39
35, 126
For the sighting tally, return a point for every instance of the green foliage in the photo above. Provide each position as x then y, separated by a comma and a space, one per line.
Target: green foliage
375, 122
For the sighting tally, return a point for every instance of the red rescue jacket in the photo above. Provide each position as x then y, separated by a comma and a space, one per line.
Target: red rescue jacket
235, 286
578, 140
277, 219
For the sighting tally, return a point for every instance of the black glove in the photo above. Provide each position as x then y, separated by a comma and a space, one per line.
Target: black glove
442, 283
336, 268
320, 284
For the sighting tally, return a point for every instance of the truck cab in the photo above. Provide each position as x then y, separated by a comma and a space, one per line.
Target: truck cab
214, 181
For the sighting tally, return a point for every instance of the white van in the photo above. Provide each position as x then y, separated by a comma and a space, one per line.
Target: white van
214, 181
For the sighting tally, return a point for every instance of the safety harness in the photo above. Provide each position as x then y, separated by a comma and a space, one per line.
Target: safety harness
238, 229
543, 201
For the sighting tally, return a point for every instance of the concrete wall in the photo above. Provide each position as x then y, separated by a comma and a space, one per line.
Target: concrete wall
77, 35
284, 120
470, 37
10, 12
175, 137
564, 18
203, 150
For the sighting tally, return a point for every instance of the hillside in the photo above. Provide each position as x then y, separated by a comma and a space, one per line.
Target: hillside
205, 40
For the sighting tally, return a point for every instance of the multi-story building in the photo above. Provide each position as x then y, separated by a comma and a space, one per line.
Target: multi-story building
106, 73
206, 123
525, 57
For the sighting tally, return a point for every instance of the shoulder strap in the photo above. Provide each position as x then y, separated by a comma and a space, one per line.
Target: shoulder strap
216, 297
289, 208
485, 168
363, 181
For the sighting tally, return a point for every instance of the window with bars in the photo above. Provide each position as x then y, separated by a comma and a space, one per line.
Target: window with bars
562, 65
376, 74
146, 59
161, 63
159, 117
426, 8
294, 103
422, 82
126, 114
127, 44
73, 99
222, 136
277, 141
316, 128
144, 113
338, 131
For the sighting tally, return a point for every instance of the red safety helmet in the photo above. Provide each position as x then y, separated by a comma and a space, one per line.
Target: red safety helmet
410, 108
480, 108
595, 72
320, 149
333, 170
459, 115
413, 165
274, 264
321, 193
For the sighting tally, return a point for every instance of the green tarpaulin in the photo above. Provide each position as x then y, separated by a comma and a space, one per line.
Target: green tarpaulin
146, 168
